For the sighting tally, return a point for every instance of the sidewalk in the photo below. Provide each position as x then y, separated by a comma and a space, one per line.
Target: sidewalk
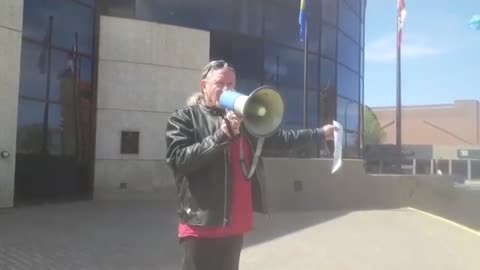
140, 235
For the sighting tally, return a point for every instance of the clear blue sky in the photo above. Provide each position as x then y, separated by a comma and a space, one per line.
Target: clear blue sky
440, 55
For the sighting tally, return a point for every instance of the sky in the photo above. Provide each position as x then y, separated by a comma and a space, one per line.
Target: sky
440, 53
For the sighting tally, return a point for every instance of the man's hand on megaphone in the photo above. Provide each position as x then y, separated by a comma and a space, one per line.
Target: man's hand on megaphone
234, 121
329, 130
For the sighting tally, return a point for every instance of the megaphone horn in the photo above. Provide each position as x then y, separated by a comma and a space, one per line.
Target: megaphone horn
262, 110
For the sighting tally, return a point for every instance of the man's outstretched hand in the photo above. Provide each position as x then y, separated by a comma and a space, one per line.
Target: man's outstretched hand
329, 130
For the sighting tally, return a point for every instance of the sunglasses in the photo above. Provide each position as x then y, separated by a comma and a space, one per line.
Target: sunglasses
215, 65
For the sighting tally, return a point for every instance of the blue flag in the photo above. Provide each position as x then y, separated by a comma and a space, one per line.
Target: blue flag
302, 18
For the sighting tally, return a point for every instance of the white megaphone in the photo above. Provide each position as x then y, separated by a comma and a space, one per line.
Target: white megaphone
262, 110
262, 113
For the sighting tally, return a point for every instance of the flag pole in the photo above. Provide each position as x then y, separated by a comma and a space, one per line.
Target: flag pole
398, 121
76, 96
303, 21
305, 74
399, 109
44, 149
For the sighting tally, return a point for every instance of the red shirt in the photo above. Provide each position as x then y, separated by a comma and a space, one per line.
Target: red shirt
241, 220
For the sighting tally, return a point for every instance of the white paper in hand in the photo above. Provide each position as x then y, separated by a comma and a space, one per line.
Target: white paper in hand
338, 142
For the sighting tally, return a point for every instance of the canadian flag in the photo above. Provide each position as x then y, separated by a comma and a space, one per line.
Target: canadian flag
402, 13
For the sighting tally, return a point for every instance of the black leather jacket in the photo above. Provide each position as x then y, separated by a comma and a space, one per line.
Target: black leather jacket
197, 154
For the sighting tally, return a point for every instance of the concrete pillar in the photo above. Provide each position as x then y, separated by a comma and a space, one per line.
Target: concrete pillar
146, 71
414, 166
11, 20
450, 166
432, 165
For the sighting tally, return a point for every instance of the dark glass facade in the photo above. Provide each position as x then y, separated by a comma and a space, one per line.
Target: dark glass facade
55, 113
268, 31
57, 89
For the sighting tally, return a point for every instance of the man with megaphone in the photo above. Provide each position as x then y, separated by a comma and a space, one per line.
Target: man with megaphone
213, 149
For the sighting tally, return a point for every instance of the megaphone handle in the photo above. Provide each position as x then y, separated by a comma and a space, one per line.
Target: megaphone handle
229, 126
258, 151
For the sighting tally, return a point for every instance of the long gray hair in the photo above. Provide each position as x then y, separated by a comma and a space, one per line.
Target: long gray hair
198, 97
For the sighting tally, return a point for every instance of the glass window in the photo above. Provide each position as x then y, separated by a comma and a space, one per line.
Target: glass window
314, 22
328, 91
209, 15
86, 110
349, 22
293, 98
348, 52
327, 74
118, 8
355, 5
423, 166
85, 64
88, 2
233, 47
283, 66
284, 69
246, 86
313, 33
248, 16
329, 41
61, 76
364, 7
348, 83
443, 166
281, 25
69, 123
30, 126
247, 67
475, 169
347, 113
33, 75
61, 130
68, 17
286, 3
271, 68
460, 169
351, 144
329, 11
313, 78
362, 35
63, 117
313, 117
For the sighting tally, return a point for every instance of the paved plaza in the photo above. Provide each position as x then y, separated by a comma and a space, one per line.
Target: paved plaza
140, 235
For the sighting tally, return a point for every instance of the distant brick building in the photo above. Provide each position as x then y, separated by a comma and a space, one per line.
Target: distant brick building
447, 128
448, 134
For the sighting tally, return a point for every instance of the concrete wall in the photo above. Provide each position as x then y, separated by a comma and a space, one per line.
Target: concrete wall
146, 71
349, 188
11, 19
352, 189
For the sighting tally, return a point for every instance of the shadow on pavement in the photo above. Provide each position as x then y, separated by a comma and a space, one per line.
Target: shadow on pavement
279, 224
116, 235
